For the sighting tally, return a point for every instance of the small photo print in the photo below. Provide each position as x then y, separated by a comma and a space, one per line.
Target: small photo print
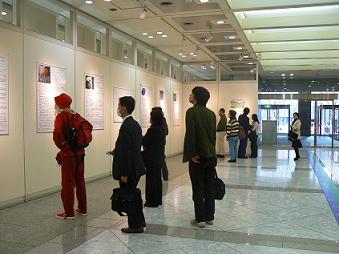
44, 74
143, 91
162, 95
89, 82
175, 97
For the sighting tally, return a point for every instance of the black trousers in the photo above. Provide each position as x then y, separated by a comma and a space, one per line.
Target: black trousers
202, 178
153, 185
164, 169
137, 219
242, 147
254, 147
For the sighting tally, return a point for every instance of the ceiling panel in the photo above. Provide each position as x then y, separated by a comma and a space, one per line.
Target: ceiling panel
257, 4
299, 55
198, 23
175, 6
227, 48
226, 37
295, 45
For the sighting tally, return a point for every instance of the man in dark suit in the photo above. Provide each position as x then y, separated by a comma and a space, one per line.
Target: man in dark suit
128, 165
244, 121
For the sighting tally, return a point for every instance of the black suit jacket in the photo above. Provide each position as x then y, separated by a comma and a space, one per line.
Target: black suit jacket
154, 145
127, 159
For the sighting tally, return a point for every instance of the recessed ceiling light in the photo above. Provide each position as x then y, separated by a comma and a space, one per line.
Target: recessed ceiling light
312, 81
159, 32
164, 36
204, 1
89, 2
309, 86
239, 48
220, 22
246, 56
194, 55
150, 37
183, 56
232, 37
107, 0
3, 13
180, 54
291, 74
145, 34
250, 63
283, 74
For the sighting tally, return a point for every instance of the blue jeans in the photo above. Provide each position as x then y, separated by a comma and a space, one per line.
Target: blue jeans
233, 145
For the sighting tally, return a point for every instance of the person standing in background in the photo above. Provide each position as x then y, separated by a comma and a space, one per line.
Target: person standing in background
296, 127
232, 130
153, 154
128, 165
199, 151
244, 122
164, 127
221, 133
72, 162
253, 136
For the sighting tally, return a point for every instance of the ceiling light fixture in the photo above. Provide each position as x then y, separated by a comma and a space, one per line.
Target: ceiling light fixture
150, 37
241, 58
239, 48
220, 22
246, 56
250, 63
291, 74
89, 2
164, 36
3, 13
232, 37
160, 33
208, 38
108, 0
143, 13
204, 1
183, 56
145, 34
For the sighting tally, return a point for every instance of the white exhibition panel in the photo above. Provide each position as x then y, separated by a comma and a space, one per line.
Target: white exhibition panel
96, 161
42, 171
12, 184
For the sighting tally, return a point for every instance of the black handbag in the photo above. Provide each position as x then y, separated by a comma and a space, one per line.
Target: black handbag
292, 136
252, 136
124, 200
220, 188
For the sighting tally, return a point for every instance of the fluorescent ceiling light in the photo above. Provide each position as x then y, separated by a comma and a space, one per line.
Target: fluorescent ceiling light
108, 0
150, 37
180, 54
250, 63
183, 56
89, 2
164, 36
194, 55
204, 1
291, 74
3, 13
220, 22
246, 56
159, 32
283, 74
232, 37
239, 48
145, 34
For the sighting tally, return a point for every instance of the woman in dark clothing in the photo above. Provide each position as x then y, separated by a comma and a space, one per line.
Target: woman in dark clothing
164, 127
154, 153
296, 126
253, 136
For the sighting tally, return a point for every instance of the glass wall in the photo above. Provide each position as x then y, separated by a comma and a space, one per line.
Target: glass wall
8, 10
122, 48
91, 35
144, 58
49, 18
241, 71
176, 72
199, 72
161, 65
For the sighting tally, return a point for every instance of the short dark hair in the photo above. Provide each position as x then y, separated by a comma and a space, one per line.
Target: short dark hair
233, 114
246, 111
222, 110
296, 113
157, 117
201, 95
157, 108
255, 118
128, 102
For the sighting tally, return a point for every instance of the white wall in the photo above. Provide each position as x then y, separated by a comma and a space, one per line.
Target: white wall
28, 166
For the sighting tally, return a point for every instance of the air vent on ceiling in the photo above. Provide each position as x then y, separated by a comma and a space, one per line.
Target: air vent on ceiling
188, 23
166, 3
113, 9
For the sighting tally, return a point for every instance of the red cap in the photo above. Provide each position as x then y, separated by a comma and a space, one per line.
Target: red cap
63, 101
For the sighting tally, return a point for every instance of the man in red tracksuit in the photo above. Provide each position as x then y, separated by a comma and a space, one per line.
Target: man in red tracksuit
72, 162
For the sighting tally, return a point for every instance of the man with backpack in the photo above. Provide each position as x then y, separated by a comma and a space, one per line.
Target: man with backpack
71, 135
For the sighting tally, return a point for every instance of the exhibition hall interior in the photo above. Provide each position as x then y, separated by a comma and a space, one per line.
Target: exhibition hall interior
276, 58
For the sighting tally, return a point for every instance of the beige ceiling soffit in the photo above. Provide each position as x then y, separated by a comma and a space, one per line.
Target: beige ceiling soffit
283, 27
193, 32
191, 14
180, 30
292, 50
285, 7
222, 43
235, 24
230, 53
318, 39
300, 58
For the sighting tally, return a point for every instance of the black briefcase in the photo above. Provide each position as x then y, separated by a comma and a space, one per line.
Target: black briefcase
219, 186
125, 200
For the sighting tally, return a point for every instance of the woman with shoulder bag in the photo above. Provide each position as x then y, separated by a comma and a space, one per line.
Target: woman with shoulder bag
296, 126
253, 136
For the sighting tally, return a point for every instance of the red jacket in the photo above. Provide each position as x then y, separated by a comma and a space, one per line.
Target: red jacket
62, 127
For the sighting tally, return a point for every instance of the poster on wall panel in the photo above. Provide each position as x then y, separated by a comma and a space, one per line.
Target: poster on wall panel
3, 95
117, 93
51, 82
146, 105
94, 100
176, 110
237, 105
163, 102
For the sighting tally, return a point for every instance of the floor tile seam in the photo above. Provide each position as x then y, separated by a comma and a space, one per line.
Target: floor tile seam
122, 241
17, 242
275, 189
305, 246
282, 237
237, 251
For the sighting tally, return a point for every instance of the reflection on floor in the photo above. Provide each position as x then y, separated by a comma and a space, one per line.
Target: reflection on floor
322, 141
272, 205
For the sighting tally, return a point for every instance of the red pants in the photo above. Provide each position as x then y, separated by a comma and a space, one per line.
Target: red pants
72, 174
